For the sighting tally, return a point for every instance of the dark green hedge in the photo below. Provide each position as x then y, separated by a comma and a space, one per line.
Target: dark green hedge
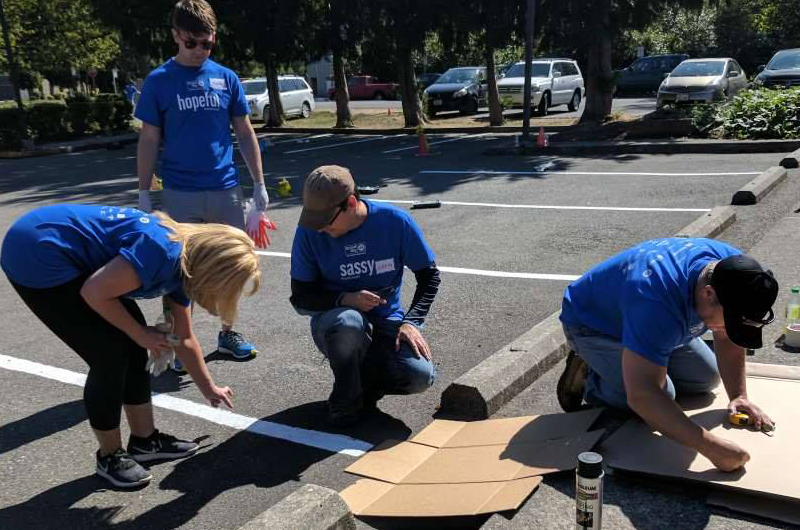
61, 120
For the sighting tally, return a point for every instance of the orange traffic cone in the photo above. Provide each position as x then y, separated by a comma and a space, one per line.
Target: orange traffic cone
388, 111
423, 144
541, 139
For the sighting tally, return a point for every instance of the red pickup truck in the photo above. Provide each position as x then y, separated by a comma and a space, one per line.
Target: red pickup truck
368, 87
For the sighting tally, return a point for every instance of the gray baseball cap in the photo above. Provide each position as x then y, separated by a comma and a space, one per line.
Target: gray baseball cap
325, 189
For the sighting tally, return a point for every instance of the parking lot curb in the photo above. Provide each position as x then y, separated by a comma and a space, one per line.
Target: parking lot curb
710, 224
756, 189
496, 380
309, 508
116, 143
481, 392
790, 161
404, 130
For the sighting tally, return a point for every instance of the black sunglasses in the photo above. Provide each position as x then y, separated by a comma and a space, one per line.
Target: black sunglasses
760, 322
191, 44
342, 207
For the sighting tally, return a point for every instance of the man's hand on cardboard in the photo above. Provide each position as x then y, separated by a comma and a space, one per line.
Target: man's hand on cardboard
724, 454
411, 334
742, 404
362, 300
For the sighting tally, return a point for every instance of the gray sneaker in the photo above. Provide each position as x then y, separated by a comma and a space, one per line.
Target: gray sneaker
160, 446
121, 470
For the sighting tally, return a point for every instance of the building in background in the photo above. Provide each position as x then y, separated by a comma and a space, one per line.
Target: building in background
320, 75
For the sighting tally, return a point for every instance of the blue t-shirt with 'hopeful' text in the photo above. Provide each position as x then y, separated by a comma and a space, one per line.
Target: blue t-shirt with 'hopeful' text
370, 257
53, 245
644, 296
193, 106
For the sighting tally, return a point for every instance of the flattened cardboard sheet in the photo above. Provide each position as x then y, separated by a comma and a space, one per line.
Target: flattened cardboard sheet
524, 429
773, 469
412, 463
375, 498
768, 507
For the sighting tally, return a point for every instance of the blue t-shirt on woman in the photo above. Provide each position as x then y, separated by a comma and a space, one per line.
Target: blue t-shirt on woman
53, 245
193, 107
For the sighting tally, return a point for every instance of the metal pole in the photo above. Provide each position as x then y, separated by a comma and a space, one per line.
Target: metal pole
13, 69
526, 97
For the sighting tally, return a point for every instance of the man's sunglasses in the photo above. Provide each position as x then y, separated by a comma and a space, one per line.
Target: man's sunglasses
341, 207
191, 44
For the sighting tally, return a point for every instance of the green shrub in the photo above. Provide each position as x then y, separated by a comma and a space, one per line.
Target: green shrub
9, 128
80, 115
47, 120
123, 114
752, 115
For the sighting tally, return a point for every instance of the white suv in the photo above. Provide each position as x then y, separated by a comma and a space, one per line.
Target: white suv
553, 82
296, 96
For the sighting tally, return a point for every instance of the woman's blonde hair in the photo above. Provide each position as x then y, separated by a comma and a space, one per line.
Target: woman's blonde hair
217, 261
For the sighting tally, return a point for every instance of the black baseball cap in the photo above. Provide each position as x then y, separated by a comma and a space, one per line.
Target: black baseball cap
746, 292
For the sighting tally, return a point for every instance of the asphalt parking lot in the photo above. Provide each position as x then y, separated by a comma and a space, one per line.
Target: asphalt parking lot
510, 233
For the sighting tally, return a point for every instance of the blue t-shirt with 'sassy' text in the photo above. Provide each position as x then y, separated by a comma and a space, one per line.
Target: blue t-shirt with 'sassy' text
53, 245
644, 296
370, 257
193, 107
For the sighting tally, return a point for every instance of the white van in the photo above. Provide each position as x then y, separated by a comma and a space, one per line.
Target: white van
296, 96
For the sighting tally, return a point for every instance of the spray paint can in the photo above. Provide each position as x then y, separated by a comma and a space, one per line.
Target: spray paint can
589, 492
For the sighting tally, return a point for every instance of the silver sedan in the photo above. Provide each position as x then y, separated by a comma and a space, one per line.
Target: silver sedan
702, 81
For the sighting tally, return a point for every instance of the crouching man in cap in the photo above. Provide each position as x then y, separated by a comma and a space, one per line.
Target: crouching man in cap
347, 266
634, 322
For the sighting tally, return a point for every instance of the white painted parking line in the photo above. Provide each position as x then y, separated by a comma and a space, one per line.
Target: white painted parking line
474, 272
555, 207
335, 145
587, 173
335, 443
436, 143
295, 140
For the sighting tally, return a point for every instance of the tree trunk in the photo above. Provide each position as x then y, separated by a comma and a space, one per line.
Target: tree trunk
600, 77
276, 118
343, 117
495, 111
412, 108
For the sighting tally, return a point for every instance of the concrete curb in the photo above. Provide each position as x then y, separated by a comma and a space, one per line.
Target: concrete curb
405, 130
495, 381
491, 384
116, 143
790, 161
757, 189
309, 508
710, 224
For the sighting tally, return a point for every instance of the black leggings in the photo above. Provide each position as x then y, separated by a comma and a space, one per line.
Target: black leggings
117, 372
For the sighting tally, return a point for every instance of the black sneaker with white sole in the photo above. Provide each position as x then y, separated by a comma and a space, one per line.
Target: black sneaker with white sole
121, 470
160, 446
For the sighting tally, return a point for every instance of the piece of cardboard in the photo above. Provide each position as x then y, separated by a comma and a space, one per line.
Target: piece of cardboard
375, 498
412, 463
773, 469
446, 433
770, 508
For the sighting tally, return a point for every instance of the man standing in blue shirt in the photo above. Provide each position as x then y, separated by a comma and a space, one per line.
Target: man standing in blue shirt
634, 323
191, 102
347, 266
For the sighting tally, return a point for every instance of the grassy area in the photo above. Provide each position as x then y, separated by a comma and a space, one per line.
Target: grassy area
382, 120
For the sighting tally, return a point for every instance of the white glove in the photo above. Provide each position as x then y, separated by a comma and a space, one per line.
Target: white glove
145, 204
260, 197
157, 365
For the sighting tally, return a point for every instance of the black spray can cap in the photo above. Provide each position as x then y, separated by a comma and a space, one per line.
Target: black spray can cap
590, 465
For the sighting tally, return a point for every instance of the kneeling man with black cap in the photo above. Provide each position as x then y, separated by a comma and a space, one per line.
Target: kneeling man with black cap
634, 323
348, 257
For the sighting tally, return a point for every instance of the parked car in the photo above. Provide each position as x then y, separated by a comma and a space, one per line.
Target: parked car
427, 79
553, 82
702, 80
782, 71
296, 96
462, 89
646, 74
367, 87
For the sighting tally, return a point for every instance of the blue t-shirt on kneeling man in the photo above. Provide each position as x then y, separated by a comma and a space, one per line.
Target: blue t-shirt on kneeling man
370, 257
644, 296
193, 107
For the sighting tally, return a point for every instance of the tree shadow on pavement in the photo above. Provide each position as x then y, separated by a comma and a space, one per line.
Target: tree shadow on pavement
243, 460
40, 425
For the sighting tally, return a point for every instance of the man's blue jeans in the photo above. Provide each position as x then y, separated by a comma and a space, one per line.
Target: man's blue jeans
692, 367
361, 352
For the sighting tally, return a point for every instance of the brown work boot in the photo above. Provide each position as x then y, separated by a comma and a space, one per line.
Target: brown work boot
570, 385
